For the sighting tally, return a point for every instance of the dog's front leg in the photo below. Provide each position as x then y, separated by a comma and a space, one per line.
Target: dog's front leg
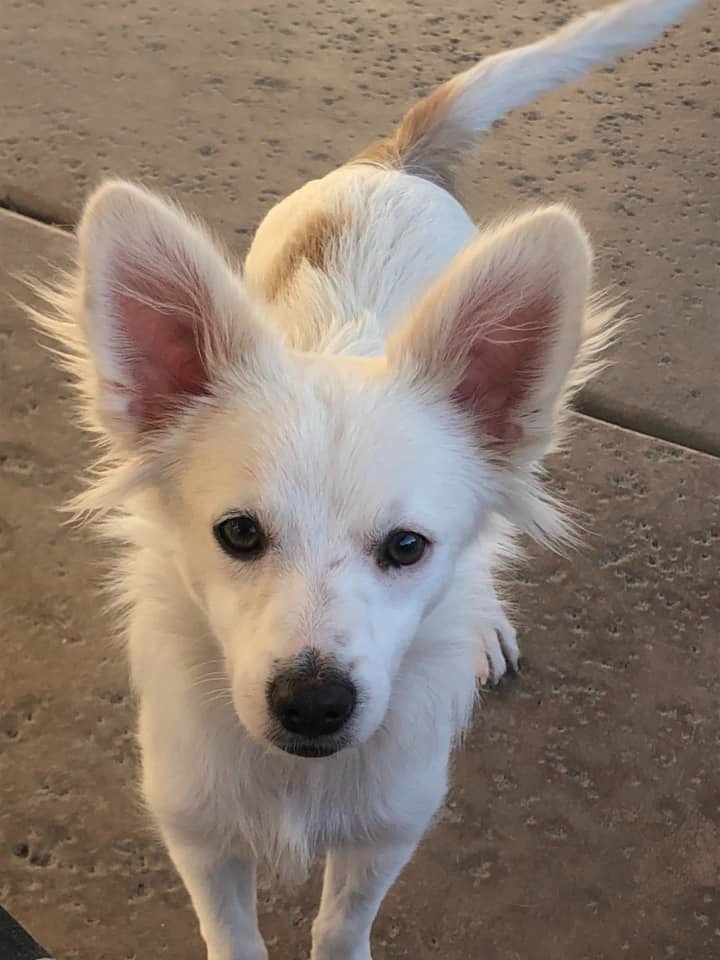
222, 890
356, 881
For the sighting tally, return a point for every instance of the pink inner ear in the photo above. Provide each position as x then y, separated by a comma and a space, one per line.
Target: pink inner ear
503, 362
158, 330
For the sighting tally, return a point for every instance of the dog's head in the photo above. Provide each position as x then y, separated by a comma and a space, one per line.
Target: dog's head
314, 505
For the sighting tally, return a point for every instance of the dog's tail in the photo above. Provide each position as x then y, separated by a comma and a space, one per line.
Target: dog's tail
439, 129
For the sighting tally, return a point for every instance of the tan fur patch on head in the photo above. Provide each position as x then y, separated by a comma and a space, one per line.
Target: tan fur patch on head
312, 242
419, 145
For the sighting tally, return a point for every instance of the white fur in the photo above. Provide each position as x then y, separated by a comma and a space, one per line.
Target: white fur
366, 396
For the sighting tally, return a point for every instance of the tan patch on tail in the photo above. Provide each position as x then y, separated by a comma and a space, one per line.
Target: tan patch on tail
424, 143
312, 243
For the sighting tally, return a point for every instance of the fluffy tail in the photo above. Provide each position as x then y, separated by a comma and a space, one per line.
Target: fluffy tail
437, 130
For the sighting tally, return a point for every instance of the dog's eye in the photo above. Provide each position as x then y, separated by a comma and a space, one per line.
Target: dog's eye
241, 537
402, 548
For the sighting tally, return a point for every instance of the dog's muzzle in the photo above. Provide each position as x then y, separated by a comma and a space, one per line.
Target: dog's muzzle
311, 701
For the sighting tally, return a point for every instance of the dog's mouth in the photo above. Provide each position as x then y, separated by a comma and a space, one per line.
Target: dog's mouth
310, 749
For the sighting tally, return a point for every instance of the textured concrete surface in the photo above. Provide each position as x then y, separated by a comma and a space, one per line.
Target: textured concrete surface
229, 105
584, 823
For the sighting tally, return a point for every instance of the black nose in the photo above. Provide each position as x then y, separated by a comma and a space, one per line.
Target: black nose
312, 706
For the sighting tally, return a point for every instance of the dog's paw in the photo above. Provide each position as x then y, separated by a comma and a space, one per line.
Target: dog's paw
497, 651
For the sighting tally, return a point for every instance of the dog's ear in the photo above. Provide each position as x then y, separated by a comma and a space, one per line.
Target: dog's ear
160, 311
501, 329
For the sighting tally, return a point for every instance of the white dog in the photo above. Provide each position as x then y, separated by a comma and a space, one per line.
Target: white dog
312, 466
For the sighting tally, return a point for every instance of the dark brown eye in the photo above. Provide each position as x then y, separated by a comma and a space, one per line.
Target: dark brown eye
403, 548
241, 537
